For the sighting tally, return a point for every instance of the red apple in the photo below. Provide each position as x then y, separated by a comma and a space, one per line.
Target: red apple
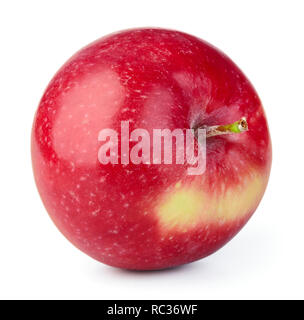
149, 216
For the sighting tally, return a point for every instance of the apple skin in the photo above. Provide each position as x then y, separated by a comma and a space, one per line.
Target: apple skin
146, 217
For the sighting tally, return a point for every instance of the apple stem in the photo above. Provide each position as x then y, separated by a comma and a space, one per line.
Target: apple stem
217, 130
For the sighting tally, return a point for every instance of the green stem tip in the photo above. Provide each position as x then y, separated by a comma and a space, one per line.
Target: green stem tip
235, 127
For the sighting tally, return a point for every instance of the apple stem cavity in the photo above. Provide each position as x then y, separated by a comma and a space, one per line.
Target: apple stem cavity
217, 130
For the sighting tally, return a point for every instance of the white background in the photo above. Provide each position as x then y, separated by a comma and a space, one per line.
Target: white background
265, 260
